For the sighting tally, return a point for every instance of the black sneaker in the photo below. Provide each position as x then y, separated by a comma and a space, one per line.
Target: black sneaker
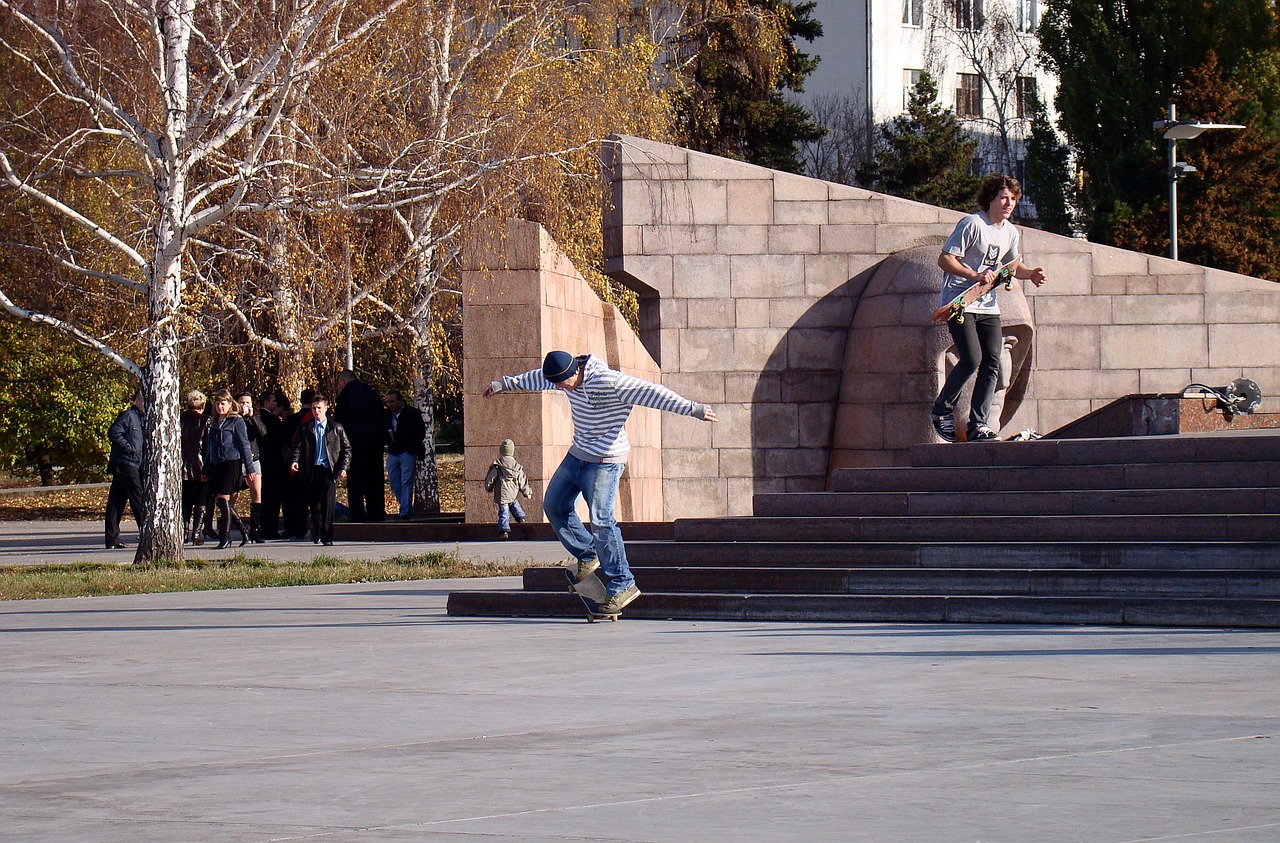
982, 433
944, 426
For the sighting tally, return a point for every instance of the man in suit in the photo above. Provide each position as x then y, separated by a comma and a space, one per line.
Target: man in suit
293, 502
271, 453
125, 465
321, 456
359, 411
405, 434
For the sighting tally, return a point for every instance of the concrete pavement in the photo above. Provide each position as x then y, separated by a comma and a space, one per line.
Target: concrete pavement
363, 713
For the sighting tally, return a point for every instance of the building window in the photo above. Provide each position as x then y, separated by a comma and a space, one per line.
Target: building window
1026, 94
1028, 15
913, 12
969, 95
968, 14
910, 78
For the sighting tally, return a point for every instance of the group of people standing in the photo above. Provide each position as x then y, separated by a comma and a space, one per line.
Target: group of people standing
289, 462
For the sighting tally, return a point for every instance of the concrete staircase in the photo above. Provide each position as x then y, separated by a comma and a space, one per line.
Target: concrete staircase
1173, 531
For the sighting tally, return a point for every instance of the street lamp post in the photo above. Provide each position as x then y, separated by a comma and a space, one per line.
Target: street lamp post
1175, 130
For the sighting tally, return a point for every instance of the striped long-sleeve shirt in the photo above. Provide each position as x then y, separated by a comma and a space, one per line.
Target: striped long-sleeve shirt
601, 405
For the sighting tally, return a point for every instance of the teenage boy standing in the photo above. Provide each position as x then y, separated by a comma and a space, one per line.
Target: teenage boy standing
981, 244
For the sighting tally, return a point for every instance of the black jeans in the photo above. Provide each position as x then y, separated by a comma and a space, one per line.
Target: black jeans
979, 342
126, 486
319, 490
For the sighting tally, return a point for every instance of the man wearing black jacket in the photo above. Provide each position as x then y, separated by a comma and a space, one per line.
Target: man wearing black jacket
320, 468
405, 434
124, 465
359, 411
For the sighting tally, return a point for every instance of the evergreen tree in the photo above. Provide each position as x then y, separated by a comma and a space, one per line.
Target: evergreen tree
745, 58
924, 154
1119, 64
1048, 174
1229, 209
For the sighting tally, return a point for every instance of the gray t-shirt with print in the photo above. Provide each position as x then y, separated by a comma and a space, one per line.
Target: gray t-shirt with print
980, 245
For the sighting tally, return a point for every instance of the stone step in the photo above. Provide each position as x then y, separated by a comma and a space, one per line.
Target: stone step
1111, 611
937, 581
1241, 446
1142, 555
1091, 502
986, 478
985, 528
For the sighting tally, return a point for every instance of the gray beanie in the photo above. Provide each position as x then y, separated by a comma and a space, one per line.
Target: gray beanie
507, 448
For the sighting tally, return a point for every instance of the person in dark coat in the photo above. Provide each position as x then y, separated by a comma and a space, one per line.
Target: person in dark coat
406, 432
195, 487
125, 466
359, 411
271, 454
257, 431
320, 458
294, 500
227, 459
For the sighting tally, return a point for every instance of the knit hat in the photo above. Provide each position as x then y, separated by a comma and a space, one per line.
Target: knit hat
507, 448
559, 366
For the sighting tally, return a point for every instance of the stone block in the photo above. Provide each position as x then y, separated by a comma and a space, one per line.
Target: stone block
1156, 381
1077, 384
1141, 285
848, 239
1157, 309
668, 350
737, 462
892, 238
827, 312
686, 462
810, 386
824, 274
1069, 274
856, 211
859, 425
1051, 415
703, 349
1165, 267
1153, 346
751, 387
795, 462
702, 276
1182, 284
772, 426
679, 239
704, 387
906, 425
749, 202
742, 239
766, 276
1073, 310
626, 149
792, 239
1112, 261
694, 498
674, 203
800, 213
816, 348
1068, 346
752, 313
686, 432
1221, 281
674, 312
505, 287
752, 348
792, 188
712, 313
816, 422
905, 211
490, 331
646, 274
879, 311
1243, 307
1243, 345
1108, 285
703, 166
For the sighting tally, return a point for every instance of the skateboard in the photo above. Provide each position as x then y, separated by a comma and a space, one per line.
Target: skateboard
954, 309
591, 592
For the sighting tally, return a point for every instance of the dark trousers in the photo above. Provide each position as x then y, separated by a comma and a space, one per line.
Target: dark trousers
273, 482
366, 495
294, 506
319, 489
978, 344
126, 487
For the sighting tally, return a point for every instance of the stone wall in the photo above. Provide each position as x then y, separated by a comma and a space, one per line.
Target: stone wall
752, 283
522, 297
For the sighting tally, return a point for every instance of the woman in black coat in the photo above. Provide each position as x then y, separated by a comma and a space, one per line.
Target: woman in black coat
227, 457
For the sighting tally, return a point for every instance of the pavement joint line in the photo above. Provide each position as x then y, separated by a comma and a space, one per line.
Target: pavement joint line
1210, 833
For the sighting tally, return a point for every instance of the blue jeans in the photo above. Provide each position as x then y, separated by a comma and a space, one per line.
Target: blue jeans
507, 511
401, 470
598, 484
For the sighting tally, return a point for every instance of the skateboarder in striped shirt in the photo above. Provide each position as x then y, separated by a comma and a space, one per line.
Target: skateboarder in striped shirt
600, 401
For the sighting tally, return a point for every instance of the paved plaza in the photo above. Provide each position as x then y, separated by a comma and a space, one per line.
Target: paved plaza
363, 714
